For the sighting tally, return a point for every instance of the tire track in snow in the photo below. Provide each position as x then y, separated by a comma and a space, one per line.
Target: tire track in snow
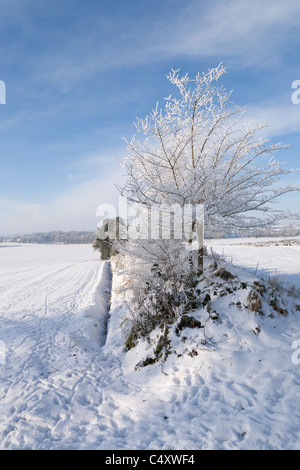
54, 312
63, 385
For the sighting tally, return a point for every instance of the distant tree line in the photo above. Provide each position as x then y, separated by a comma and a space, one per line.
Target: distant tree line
290, 230
59, 237
76, 237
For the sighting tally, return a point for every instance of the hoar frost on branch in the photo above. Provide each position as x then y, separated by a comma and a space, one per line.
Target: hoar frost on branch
199, 149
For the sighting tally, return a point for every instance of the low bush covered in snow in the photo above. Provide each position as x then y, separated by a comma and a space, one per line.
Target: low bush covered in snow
204, 311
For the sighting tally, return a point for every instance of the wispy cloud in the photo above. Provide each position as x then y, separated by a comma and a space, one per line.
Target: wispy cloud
29, 209
246, 32
283, 119
74, 209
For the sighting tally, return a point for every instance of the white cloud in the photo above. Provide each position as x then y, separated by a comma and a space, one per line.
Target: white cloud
247, 30
283, 119
74, 209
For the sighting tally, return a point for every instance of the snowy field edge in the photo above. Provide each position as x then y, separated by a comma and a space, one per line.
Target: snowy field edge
61, 388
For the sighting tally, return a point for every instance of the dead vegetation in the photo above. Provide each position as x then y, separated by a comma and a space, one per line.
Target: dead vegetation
158, 327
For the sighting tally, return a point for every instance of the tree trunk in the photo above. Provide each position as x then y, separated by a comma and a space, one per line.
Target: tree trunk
200, 260
196, 256
200, 238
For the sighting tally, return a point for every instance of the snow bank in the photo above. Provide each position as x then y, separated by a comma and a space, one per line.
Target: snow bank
266, 256
61, 389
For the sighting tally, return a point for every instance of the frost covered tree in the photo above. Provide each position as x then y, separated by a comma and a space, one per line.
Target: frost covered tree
199, 149
107, 235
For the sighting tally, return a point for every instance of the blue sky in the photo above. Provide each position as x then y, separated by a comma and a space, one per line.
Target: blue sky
78, 73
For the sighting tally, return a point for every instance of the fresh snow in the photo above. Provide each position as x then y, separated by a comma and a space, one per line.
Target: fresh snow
266, 256
67, 382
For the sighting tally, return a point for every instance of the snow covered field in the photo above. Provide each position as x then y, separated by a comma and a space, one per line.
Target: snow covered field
52, 310
66, 382
267, 256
